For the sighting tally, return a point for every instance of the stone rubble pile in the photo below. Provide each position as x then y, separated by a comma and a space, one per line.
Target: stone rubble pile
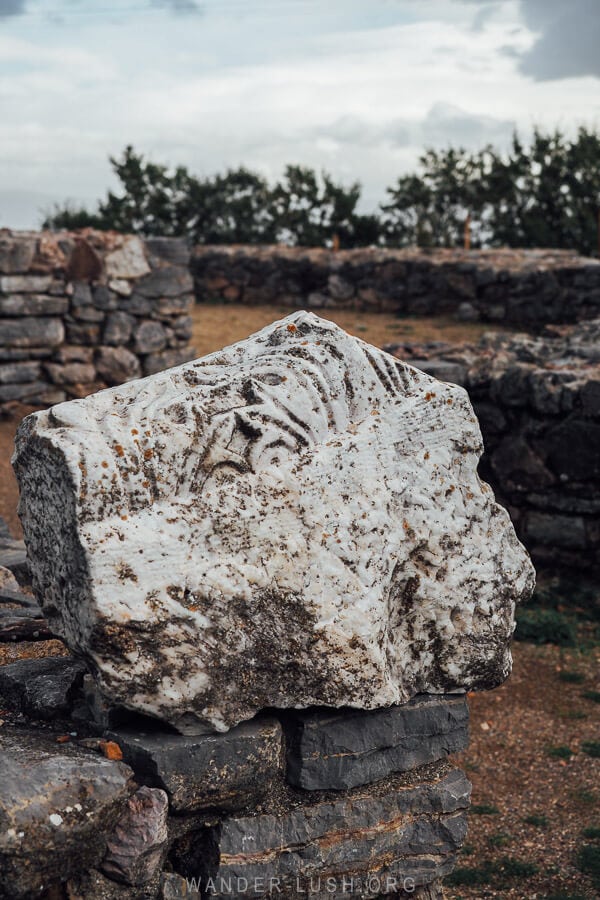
510, 287
82, 311
538, 403
278, 573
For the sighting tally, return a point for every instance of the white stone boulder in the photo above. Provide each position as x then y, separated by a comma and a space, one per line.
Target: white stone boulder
294, 520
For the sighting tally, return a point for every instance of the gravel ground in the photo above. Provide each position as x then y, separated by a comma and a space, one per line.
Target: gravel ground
531, 805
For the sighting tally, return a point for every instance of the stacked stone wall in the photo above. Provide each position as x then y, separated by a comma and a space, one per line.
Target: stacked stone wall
538, 405
81, 312
510, 287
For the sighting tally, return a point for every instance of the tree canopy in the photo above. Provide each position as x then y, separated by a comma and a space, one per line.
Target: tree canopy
546, 194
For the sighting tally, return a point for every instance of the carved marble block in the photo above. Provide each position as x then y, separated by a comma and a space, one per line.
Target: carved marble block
296, 520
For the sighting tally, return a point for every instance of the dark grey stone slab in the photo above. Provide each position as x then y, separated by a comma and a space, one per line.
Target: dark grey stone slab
367, 844
20, 372
339, 750
23, 392
33, 305
31, 332
43, 688
13, 556
57, 804
223, 771
167, 282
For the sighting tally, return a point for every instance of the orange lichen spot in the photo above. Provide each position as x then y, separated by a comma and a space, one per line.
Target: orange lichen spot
426, 454
134, 431
149, 453
104, 464
145, 484
111, 750
124, 518
292, 328
374, 412
429, 395
63, 739
326, 534
119, 450
469, 495
405, 525
304, 344
449, 401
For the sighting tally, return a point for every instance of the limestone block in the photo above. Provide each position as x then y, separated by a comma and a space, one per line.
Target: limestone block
295, 520
128, 260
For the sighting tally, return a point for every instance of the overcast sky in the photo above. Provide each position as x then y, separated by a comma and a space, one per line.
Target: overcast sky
357, 87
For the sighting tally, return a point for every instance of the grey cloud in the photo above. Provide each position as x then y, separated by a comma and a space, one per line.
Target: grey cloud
568, 46
443, 124
11, 8
569, 36
447, 124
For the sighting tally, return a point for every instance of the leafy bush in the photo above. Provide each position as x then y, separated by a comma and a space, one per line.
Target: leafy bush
540, 821
544, 626
484, 809
571, 677
594, 696
588, 860
592, 748
561, 752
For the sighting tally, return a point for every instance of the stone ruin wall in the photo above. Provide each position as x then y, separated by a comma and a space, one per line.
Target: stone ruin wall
538, 405
523, 288
82, 312
79, 312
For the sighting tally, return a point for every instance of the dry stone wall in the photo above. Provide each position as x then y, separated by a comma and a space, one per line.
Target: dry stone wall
82, 312
510, 287
538, 404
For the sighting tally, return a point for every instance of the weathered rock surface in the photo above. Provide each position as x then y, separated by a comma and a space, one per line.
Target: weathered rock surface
43, 688
57, 802
224, 771
342, 750
295, 520
138, 845
363, 846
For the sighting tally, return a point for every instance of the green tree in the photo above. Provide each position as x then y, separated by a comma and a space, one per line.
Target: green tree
70, 217
309, 210
430, 209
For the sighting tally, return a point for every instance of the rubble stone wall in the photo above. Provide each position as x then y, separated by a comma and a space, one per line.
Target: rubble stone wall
538, 404
81, 312
510, 287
